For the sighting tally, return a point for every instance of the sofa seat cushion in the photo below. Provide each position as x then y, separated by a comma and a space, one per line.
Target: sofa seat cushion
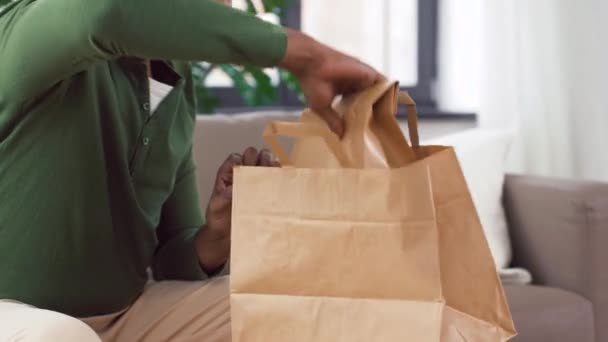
548, 314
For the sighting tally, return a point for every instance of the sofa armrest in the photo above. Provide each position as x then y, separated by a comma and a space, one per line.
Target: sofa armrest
559, 231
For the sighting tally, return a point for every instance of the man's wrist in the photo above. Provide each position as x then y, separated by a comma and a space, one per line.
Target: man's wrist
213, 250
303, 53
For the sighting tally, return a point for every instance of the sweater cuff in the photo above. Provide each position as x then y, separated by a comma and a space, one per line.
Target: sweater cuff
178, 259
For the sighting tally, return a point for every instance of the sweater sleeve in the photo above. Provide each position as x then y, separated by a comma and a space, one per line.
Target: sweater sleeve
45, 41
181, 219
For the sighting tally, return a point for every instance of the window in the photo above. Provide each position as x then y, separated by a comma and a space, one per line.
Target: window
382, 33
397, 37
222, 86
219, 79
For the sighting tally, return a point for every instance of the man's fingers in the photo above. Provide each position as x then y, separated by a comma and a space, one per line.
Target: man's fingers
233, 160
226, 194
265, 158
224, 173
333, 119
351, 75
250, 156
221, 201
345, 87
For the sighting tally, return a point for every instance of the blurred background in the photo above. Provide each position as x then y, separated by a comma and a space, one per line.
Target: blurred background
537, 68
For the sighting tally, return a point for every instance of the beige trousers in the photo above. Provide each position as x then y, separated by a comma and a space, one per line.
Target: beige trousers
166, 311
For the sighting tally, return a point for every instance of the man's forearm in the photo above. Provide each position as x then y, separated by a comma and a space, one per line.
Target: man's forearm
50, 40
302, 53
213, 251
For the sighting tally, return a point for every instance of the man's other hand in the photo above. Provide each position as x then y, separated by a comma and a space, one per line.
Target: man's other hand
213, 241
220, 204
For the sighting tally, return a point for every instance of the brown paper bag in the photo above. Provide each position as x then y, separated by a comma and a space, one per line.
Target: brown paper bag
365, 239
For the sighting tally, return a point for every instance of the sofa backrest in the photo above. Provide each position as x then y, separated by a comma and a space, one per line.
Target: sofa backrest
481, 153
217, 136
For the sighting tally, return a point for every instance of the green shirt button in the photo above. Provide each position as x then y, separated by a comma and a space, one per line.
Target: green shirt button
146, 106
146, 141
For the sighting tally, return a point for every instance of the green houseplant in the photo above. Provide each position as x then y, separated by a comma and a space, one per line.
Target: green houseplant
252, 83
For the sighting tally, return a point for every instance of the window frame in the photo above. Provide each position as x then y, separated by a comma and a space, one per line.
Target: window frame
423, 92
427, 54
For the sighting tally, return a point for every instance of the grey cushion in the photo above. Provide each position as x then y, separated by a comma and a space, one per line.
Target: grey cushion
548, 314
217, 136
559, 230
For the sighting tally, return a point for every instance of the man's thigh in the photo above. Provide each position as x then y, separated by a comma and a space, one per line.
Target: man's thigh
24, 323
172, 311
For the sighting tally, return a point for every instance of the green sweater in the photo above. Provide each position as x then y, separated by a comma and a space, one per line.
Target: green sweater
93, 188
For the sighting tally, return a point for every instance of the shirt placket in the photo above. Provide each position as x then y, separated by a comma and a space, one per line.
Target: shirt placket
146, 133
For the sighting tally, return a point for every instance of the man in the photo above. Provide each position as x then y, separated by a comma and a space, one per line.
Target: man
97, 182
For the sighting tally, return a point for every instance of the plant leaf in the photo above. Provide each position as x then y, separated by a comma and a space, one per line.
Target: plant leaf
275, 6
266, 93
206, 103
246, 90
292, 84
250, 7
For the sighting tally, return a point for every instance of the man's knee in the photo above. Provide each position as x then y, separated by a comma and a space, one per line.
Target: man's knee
43, 325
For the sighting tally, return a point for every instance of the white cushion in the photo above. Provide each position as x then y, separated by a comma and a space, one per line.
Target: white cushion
482, 155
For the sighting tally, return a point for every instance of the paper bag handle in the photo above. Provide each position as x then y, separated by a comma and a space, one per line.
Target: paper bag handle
300, 130
412, 117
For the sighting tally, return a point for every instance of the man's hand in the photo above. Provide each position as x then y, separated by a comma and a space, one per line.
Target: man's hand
213, 241
325, 73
